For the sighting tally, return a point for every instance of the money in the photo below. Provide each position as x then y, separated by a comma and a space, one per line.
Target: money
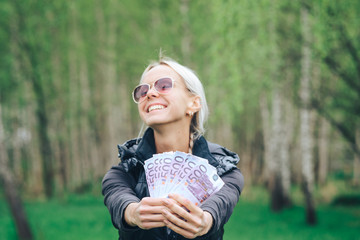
187, 175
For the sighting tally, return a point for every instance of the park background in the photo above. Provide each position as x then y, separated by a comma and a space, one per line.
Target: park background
282, 80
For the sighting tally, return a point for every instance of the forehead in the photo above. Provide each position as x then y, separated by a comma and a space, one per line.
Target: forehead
159, 72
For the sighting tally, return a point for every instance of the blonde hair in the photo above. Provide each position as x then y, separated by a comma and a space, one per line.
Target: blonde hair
194, 85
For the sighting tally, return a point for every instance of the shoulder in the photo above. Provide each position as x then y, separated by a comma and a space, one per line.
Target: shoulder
226, 159
219, 151
127, 154
128, 149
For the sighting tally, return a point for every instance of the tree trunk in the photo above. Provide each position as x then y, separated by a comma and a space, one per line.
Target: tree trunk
277, 145
33, 67
285, 138
112, 93
323, 150
45, 147
275, 181
11, 194
59, 117
76, 62
246, 163
265, 115
356, 178
100, 98
306, 140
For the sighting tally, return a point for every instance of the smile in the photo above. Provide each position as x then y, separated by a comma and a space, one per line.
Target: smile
155, 107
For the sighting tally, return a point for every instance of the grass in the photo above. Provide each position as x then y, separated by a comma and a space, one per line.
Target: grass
85, 217
254, 220
77, 217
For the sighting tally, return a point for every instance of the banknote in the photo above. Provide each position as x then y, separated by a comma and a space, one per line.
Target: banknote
187, 175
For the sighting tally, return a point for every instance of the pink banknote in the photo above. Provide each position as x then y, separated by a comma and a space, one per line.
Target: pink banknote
176, 172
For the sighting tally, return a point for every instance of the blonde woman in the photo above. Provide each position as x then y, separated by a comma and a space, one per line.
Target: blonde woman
172, 104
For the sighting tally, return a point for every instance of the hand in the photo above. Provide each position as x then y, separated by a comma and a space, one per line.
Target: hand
146, 214
190, 224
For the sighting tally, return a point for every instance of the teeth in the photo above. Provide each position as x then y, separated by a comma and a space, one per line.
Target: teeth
154, 107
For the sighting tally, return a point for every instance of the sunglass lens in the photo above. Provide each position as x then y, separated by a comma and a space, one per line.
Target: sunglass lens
163, 85
140, 92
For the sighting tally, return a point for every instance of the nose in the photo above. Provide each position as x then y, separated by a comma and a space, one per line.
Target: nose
152, 92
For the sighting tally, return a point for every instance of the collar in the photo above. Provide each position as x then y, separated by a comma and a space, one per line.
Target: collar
147, 148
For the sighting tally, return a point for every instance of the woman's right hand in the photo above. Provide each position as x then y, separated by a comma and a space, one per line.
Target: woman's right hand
146, 214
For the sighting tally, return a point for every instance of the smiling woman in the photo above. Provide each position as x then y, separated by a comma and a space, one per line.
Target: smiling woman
172, 103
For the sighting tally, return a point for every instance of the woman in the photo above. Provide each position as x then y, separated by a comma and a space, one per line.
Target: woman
171, 102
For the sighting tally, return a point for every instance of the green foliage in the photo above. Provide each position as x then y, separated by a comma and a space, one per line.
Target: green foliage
336, 42
239, 49
6, 85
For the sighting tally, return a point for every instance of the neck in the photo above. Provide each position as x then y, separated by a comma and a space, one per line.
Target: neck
170, 139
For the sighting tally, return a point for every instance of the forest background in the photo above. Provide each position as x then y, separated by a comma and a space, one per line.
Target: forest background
282, 80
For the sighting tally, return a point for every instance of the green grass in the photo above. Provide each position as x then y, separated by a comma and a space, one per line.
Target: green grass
254, 220
85, 217
77, 217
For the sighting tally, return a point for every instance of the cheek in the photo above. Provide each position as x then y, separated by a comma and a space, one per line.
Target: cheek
141, 110
185, 102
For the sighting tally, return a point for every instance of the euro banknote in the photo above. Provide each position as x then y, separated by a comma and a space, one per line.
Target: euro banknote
185, 174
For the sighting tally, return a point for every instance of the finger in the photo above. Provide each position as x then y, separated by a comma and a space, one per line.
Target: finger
149, 225
179, 230
170, 200
185, 202
151, 221
194, 218
178, 210
179, 222
152, 201
150, 209
152, 218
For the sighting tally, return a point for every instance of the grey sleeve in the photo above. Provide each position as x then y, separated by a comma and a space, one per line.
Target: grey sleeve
117, 188
222, 203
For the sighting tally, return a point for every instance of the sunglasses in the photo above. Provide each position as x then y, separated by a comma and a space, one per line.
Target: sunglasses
162, 86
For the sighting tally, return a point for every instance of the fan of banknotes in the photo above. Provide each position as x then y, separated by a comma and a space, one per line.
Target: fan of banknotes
176, 172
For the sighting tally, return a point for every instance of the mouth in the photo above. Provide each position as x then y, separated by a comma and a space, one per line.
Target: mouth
155, 107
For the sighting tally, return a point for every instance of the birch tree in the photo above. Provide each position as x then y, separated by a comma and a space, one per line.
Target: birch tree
356, 174
324, 133
306, 140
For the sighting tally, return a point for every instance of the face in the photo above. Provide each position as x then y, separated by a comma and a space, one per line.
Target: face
169, 108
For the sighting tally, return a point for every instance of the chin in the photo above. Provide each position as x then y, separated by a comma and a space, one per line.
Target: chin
153, 121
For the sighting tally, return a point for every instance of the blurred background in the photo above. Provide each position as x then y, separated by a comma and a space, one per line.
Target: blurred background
282, 80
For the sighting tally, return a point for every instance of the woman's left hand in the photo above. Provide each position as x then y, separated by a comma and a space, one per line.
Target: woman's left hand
190, 224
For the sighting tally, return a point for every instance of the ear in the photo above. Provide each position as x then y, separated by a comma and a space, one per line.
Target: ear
194, 104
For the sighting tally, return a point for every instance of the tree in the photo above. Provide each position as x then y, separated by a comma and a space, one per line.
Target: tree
11, 190
31, 63
306, 135
338, 99
323, 150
